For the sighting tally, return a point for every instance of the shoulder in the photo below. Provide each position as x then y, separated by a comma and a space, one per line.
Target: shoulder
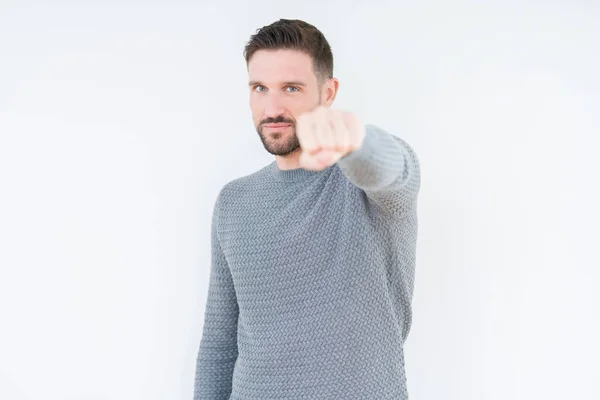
240, 189
379, 133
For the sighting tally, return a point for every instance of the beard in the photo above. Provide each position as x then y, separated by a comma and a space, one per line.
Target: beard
279, 143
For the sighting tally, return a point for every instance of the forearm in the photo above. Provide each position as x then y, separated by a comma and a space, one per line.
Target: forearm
386, 168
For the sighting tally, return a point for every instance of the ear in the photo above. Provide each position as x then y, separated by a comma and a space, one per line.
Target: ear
330, 90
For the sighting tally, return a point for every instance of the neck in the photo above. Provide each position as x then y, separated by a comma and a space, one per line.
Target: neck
290, 161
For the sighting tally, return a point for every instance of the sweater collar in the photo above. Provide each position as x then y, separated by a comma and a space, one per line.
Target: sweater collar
296, 174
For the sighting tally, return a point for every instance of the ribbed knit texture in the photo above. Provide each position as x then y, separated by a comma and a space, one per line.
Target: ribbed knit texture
312, 278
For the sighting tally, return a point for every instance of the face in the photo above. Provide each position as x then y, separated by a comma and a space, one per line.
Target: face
283, 85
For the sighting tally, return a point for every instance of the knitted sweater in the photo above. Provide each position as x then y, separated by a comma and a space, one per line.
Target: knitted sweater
311, 280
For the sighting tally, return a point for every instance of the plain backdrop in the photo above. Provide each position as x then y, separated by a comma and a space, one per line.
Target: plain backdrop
121, 121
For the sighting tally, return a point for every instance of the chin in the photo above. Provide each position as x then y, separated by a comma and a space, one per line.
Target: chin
282, 149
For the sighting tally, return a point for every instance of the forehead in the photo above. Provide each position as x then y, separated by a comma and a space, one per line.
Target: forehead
280, 65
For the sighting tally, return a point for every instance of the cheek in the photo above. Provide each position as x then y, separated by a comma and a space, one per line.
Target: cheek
296, 105
256, 107
301, 108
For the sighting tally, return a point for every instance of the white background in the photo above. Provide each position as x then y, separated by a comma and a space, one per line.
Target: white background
120, 122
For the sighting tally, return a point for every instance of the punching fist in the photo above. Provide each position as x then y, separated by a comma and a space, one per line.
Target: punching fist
326, 135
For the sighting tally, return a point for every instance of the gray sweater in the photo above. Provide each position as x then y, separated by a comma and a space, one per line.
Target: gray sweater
311, 280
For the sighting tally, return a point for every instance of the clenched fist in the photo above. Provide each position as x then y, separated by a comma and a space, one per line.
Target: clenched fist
326, 135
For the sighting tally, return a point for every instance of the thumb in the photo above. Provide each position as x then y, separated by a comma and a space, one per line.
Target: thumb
309, 161
319, 160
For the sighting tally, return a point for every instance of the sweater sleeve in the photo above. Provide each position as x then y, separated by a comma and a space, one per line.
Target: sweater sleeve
218, 349
387, 169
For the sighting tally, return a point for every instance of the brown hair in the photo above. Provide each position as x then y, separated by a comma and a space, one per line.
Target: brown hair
297, 35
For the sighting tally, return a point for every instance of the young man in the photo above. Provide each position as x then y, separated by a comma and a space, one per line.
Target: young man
313, 255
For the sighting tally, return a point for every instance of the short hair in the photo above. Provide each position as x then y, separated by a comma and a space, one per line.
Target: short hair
294, 34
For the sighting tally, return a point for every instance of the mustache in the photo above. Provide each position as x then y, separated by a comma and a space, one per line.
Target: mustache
278, 120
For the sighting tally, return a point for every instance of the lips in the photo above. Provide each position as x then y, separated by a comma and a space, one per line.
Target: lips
276, 125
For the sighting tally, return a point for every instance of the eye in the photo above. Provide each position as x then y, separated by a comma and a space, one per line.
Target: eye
296, 89
258, 87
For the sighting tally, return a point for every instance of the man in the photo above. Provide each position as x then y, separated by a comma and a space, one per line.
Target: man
313, 255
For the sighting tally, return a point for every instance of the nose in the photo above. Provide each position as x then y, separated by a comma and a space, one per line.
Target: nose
274, 105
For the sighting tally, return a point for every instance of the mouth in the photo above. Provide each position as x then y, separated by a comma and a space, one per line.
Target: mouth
276, 125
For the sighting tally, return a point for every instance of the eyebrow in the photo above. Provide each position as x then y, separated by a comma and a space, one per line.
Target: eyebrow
289, 83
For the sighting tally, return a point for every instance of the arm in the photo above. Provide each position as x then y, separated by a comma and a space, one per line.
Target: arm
387, 169
218, 347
